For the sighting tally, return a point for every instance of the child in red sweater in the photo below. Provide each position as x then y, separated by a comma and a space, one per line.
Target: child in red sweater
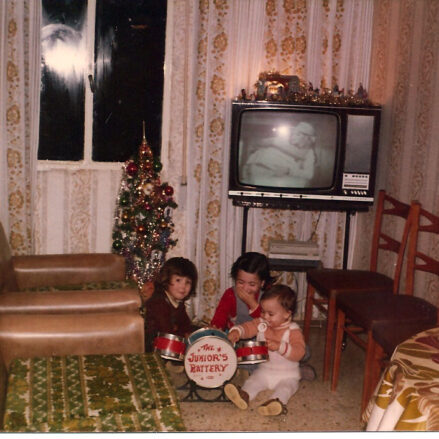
286, 346
251, 276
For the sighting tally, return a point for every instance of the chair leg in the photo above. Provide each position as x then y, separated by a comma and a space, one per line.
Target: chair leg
372, 369
308, 311
379, 357
341, 317
330, 322
368, 370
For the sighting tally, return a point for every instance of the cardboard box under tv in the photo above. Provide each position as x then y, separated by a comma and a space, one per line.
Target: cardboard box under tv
293, 255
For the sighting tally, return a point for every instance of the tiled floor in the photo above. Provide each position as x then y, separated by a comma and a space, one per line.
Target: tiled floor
313, 408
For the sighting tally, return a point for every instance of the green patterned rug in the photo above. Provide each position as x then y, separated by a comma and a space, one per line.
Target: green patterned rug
100, 393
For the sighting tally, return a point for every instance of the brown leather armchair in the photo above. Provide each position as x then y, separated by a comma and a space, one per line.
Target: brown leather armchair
22, 276
64, 321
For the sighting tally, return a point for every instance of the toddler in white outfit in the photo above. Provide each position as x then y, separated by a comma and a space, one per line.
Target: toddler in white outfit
286, 348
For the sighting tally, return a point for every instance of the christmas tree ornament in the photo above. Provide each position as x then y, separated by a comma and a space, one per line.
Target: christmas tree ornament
132, 169
168, 213
117, 244
157, 166
143, 220
169, 190
147, 188
124, 199
125, 217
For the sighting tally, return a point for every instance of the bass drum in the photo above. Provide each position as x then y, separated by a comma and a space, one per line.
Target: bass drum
206, 332
210, 360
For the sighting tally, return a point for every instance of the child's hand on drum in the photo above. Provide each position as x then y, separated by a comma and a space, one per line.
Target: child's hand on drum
233, 336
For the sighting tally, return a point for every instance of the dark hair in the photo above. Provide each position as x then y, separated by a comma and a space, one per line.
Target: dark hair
255, 263
180, 267
284, 294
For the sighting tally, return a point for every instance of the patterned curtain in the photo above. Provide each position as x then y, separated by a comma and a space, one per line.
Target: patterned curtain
405, 78
19, 118
217, 48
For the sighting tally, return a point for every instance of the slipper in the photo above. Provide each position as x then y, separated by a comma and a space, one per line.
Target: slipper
238, 396
272, 407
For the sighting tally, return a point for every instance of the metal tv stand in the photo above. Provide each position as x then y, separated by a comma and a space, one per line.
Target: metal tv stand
298, 264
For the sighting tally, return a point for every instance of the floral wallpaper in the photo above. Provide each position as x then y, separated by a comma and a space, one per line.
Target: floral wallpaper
215, 48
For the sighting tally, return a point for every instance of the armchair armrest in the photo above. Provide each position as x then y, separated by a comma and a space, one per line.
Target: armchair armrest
45, 335
67, 269
70, 302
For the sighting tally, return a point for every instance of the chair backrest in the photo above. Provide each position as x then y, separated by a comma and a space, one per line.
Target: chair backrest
388, 207
421, 221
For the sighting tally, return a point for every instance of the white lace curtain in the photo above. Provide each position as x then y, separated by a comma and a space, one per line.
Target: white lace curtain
19, 118
218, 48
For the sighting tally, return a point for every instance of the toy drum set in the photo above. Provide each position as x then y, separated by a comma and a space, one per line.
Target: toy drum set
251, 352
208, 355
170, 346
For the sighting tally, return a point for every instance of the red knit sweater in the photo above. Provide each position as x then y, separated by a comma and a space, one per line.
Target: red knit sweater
225, 312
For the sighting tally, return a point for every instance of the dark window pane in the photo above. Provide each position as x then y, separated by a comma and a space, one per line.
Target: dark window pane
130, 48
62, 80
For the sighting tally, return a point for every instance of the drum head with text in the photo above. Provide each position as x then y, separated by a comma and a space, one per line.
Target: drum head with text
210, 362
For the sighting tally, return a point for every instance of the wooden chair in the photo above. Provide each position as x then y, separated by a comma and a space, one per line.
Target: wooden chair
391, 317
386, 335
328, 283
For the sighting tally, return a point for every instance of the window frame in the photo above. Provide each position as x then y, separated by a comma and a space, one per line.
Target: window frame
87, 163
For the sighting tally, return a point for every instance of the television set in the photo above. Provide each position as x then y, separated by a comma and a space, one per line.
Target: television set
294, 156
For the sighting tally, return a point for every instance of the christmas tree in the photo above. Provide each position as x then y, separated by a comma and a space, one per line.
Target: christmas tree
143, 221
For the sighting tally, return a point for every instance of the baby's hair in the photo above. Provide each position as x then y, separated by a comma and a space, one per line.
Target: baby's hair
255, 263
180, 267
284, 294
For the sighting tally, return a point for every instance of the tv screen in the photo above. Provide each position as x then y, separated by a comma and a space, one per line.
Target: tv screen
287, 149
296, 156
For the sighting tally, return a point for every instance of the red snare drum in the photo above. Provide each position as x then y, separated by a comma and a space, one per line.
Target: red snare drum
170, 346
251, 352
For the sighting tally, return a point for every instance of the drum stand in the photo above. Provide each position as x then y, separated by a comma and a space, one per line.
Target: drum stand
193, 394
